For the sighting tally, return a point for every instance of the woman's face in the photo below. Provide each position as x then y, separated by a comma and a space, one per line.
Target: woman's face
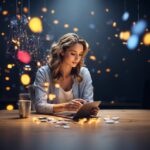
73, 55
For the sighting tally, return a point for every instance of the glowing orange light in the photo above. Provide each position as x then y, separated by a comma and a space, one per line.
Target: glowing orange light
125, 35
4, 12
146, 39
25, 10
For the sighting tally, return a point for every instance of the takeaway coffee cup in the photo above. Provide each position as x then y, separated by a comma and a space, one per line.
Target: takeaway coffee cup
24, 108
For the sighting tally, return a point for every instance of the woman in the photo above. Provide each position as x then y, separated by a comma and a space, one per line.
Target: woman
64, 84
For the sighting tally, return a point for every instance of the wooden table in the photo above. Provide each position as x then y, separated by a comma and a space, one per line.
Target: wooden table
131, 133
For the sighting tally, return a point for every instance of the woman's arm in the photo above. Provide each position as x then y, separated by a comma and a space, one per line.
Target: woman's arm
41, 93
86, 87
70, 106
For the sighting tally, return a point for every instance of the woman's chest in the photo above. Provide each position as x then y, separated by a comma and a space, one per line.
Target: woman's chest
66, 84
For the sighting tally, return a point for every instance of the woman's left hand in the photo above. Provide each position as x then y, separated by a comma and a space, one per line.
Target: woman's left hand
82, 101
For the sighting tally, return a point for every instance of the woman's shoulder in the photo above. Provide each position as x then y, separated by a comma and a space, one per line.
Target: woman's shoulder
84, 70
44, 70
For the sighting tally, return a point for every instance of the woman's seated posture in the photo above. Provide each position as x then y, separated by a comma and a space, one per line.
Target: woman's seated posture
64, 84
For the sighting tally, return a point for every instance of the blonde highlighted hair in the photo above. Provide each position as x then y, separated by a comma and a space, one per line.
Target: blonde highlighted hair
55, 57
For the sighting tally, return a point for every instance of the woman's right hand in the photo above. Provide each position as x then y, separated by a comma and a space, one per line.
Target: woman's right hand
72, 105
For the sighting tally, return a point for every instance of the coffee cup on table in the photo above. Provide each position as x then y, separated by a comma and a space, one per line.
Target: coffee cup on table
24, 105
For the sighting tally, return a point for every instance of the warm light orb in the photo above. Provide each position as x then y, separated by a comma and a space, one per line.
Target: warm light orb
146, 39
44, 9
124, 35
25, 10
108, 70
93, 57
114, 24
9, 66
35, 24
75, 29
4, 12
7, 88
25, 79
52, 97
7, 78
66, 25
9, 107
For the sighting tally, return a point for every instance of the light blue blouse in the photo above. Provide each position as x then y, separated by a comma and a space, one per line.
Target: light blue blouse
83, 90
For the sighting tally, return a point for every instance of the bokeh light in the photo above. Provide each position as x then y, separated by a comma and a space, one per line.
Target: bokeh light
124, 35
7, 78
24, 56
57, 85
9, 66
107, 10
108, 70
75, 29
3, 34
25, 9
66, 25
25, 79
92, 57
52, 11
52, 96
114, 24
9, 107
44, 9
5, 12
55, 21
35, 24
139, 27
132, 42
125, 16
146, 39
92, 13
7, 88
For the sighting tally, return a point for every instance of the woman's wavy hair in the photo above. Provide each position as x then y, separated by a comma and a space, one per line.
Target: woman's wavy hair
55, 58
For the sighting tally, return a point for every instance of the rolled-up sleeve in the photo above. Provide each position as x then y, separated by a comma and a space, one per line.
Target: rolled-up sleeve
41, 93
86, 85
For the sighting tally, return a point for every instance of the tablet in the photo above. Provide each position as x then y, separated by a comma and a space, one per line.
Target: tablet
85, 110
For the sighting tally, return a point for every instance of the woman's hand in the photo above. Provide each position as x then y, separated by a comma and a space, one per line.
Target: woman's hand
73, 105
82, 101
